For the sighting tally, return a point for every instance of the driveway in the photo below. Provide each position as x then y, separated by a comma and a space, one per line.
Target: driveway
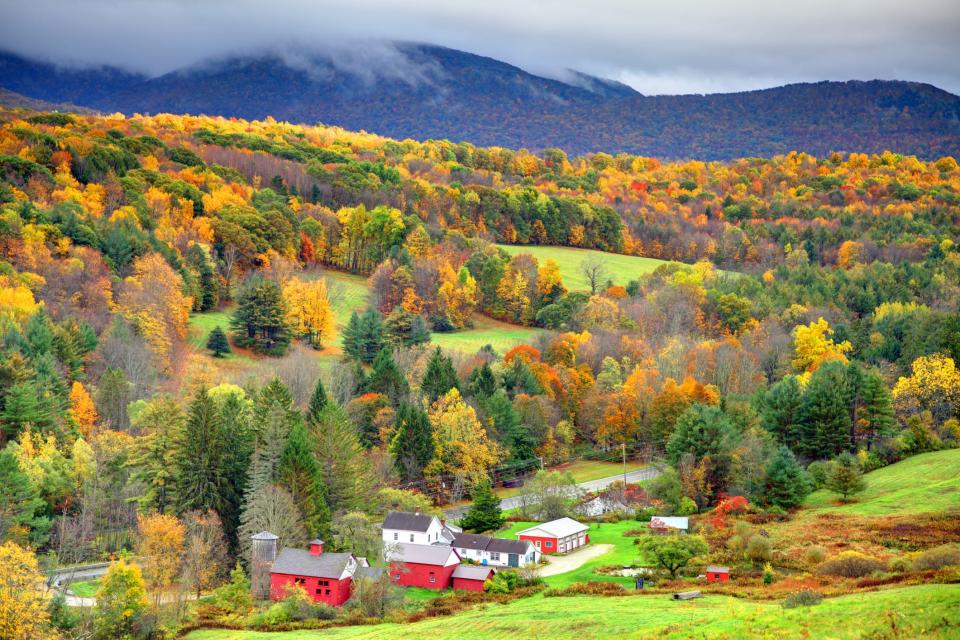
574, 559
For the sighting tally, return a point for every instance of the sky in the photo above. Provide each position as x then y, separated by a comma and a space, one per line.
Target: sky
664, 47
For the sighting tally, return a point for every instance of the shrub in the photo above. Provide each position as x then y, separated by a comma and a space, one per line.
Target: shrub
937, 558
817, 470
502, 582
850, 564
814, 556
686, 507
803, 598
759, 550
901, 564
587, 589
296, 606
768, 574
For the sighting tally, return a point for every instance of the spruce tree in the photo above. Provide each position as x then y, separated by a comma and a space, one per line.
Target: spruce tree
218, 343
484, 514
21, 507
825, 413
786, 483
352, 337
318, 400
344, 468
844, 476
780, 411
260, 322
412, 446
439, 377
387, 378
238, 438
200, 473
372, 336
482, 381
871, 407
300, 475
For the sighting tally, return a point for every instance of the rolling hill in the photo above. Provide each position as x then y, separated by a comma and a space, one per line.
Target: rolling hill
427, 91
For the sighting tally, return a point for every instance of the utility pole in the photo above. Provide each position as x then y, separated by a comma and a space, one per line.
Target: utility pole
623, 448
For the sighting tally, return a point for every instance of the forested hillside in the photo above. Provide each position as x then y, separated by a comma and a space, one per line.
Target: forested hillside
422, 92
836, 340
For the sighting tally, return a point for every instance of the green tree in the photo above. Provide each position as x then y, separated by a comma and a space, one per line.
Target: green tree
786, 483
363, 338
702, 430
218, 343
672, 552
413, 446
667, 489
780, 411
23, 409
825, 413
260, 322
154, 459
509, 428
200, 473
871, 406
387, 378
404, 329
844, 476
318, 400
482, 381
300, 475
238, 447
341, 458
484, 514
439, 377
21, 507
121, 602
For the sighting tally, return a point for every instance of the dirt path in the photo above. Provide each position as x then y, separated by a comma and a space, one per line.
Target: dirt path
574, 559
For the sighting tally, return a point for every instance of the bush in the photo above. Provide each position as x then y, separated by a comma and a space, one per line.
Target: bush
901, 564
817, 470
814, 556
587, 589
502, 582
803, 598
850, 564
296, 607
759, 550
937, 558
686, 507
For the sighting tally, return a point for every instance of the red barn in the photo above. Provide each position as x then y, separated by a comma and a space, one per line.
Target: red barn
471, 578
422, 565
557, 536
326, 577
718, 574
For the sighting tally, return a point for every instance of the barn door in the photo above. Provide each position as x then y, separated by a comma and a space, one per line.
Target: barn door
513, 560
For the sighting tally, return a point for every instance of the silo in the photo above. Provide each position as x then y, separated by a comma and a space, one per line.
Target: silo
264, 552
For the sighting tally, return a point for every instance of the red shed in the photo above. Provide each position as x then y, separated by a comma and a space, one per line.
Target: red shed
326, 577
471, 578
718, 574
422, 565
557, 536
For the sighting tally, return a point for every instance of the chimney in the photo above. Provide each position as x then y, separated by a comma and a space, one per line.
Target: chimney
316, 547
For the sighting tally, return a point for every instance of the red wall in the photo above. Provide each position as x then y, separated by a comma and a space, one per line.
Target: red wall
339, 589
717, 577
543, 543
413, 574
466, 584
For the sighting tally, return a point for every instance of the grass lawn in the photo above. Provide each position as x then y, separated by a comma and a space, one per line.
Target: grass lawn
930, 611
920, 484
620, 268
502, 336
85, 588
624, 552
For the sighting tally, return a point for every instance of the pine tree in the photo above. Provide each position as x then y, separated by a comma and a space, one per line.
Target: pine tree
318, 400
352, 337
363, 338
200, 473
786, 483
300, 475
844, 476
343, 466
21, 506
238, 447
439, 377
482, 381
484, 514
218, 343
412, 446
780, 411
260, 322
387, 378
871, 406
825, 413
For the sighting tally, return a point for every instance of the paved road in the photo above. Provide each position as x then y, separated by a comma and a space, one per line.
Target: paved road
590, 485
77, 574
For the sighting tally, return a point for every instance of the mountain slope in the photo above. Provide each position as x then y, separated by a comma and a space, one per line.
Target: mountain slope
421, 91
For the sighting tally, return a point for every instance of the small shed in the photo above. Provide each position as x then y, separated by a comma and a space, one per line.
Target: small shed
669, 524
471, 578
718, 574
557, 536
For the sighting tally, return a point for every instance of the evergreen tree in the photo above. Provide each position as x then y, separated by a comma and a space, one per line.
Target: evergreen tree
413, 445
200, 473
21, 507
260, 322
300, 475
275, 396
403, 328
439, 377
318, 400
844, 476
218, 343
780, 411
701, 430
343, 466
208, 283
238, 446
509, 428
353, 337
484, 514
482, 381
786, 484
23, 410
114, 393
363, 338
387, 378
825, 413
871, 406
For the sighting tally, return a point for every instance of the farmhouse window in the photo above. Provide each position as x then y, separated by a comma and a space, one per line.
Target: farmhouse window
300, 581
495, 555
395, 535
538, 544
328, 591
549, 544
433, 578
319, 591
411, 537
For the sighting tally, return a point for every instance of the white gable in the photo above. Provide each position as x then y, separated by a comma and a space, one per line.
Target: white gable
560, 528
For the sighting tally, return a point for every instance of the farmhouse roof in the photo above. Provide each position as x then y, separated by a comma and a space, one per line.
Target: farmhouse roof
669, 521
559, 528
369, 572
472, 572
717, 569
406, 521
488, 543
299, 562
422, 554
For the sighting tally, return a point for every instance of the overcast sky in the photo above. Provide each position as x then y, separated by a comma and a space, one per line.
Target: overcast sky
670, 46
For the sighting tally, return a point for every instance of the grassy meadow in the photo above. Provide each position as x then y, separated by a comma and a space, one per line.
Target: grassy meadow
929, 611
620, 268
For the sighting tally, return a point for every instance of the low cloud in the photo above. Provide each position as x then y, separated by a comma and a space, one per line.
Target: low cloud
677, 46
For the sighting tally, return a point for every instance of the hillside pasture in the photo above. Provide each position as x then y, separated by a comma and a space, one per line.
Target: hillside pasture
620, 269
929, 611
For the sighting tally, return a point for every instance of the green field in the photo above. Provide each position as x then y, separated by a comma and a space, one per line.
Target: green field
930, 611
502, 336
85, 588
620, 268
924, 483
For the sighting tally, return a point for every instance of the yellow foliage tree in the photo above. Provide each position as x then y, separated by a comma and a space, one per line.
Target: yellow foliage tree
462, 444
812, 346
82, 409
549, 278
934, 386
23, 606
160, 547
457, 296
512, 292
309, 311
